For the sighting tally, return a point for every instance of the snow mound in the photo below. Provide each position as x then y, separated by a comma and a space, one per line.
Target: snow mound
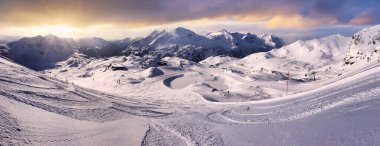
151, 72
216, 60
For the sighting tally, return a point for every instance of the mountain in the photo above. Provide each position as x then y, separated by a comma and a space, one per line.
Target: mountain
92, 42
303, 59
7, 39
124, 42
309, 54
41, 51
245, 41
98, 47
184, 43
4, 50
326, 49
364, 46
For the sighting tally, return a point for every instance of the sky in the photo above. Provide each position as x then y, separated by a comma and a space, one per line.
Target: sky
117, 19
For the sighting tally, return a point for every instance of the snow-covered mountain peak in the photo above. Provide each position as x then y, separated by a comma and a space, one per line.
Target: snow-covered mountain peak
180, 31
364, 46
154, 32
222, 31
367, 36
221, 34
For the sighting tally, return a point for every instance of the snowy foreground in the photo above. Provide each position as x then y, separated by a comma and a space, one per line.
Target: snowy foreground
38, 109
333, 98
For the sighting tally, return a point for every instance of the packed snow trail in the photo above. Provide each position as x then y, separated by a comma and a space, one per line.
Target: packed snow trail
37, 109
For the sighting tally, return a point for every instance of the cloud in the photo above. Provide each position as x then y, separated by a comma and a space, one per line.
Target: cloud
342, 11
295, 21
298, 22
140, 13
129, 17
365, 18
134, 12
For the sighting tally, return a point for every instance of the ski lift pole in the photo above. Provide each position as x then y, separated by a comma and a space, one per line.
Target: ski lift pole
287, 83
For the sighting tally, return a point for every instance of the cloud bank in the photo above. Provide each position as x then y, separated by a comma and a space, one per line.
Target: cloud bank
132, 14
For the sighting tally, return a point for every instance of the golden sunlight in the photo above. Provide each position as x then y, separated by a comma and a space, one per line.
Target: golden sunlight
56, 29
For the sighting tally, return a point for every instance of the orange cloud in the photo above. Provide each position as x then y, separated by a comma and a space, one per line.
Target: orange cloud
298, 22
362, 19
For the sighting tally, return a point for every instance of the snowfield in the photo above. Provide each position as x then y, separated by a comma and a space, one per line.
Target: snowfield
222, 100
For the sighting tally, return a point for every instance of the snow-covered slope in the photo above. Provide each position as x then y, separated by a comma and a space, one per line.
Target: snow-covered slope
330, 48
364, 46
220, 101
304, 59
323, 61
186, 44
171, 105
314, 53
37, 109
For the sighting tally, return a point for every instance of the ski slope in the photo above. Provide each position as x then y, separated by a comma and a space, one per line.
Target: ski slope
39, 110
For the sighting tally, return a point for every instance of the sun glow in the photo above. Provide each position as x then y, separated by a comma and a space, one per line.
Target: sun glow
59, 30
56, 29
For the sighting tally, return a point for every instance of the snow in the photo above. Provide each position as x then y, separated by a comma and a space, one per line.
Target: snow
219, 101
364, 46
184, 43
151, 72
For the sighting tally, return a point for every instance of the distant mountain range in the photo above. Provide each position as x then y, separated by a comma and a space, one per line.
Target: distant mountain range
186, 44
44, 51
